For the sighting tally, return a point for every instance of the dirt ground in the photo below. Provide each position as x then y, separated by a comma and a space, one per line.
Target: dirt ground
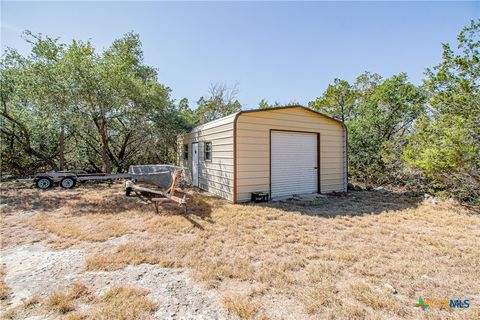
92, 253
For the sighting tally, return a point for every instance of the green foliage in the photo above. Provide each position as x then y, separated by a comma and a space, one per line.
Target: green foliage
428, 136
263, 104
338, 101
446, 144
187, 113
221, 102
69, 105
24, 83
443, 146
378, 114
382, 121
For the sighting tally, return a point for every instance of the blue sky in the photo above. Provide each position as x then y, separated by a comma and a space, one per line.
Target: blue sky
280, 51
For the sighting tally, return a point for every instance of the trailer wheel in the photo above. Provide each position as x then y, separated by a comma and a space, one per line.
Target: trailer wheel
44, 183
128, 190
68, 183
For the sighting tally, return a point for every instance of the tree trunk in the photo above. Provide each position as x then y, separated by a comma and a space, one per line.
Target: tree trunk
25, 141
94, 165
61, 161
342, 108
106, 168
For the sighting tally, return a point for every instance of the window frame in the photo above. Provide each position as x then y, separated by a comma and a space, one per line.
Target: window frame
186, 151
209, 151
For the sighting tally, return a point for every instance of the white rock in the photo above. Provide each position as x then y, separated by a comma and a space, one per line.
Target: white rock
391, 288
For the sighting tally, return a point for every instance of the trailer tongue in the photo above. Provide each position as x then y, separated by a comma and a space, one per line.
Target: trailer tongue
165, 177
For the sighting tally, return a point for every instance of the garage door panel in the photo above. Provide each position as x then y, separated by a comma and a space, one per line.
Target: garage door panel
293, 163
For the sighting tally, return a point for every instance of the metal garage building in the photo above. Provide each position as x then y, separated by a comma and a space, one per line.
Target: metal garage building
281, 151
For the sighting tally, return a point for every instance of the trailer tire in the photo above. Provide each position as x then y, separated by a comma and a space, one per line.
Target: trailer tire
128, 190
44, 183
68, 183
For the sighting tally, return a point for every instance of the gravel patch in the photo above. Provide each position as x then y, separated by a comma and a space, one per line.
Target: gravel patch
32, 269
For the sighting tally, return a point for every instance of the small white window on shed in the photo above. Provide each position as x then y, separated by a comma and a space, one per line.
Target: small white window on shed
208, 151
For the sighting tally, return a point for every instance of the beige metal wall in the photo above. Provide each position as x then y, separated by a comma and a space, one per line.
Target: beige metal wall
253, 151
215, 176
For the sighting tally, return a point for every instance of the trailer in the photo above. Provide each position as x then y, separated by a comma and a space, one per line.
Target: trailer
163, 177
69, 179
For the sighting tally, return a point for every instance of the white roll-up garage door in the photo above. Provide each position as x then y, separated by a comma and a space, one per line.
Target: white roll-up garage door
293, 163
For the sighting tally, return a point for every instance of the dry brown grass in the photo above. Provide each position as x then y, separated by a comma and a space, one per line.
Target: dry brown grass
241, 306
22, 311
9, 314
65, 302
79, 291
31, 302
332, 258
118, 303
59, 302
322, 292
124, 303
76, 316
87, 228
64, 217
4, 290
374, 299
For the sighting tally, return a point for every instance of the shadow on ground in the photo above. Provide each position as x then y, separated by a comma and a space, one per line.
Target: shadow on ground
106, 199
197, 208
101, 198
351, 204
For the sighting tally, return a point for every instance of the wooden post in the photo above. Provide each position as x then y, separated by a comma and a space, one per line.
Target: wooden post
157, 202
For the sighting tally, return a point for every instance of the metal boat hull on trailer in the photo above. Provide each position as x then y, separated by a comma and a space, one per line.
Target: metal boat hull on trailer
156, 174
163, 176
